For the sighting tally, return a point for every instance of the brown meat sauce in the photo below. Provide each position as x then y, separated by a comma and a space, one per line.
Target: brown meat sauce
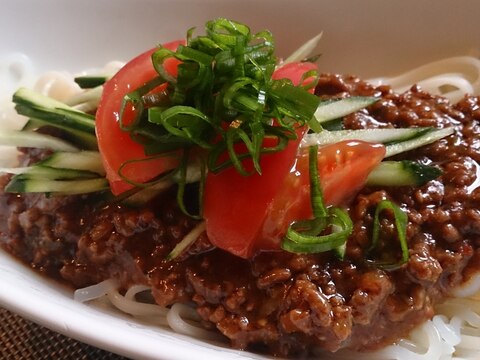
277, 302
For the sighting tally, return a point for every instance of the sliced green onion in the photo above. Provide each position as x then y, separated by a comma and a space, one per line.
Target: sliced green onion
184, 122
401, 221
316, 193
222, 99
330, 227
342, 227
161, 177
292, 101
232, 138
133, 103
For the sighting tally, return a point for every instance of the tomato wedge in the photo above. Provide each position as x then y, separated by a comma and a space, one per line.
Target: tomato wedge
245, 215
233, 225
343, 169
115, 145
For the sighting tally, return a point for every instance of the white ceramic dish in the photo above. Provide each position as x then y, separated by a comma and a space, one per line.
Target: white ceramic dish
366, 38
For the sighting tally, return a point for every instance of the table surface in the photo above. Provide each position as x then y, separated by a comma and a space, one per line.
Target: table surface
25, 340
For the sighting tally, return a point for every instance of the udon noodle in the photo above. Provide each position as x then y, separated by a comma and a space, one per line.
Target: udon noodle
454, 333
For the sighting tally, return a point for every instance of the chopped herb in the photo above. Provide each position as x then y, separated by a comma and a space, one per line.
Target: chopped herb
329, 228
222, 96
401, 220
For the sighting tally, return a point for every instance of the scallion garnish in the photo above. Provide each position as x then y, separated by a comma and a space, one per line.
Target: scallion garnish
222, 99
400, 221
329, 228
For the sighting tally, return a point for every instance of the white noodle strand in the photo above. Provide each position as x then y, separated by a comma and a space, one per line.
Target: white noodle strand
134, 290
133, 307
451, 77
176, 320
95, 291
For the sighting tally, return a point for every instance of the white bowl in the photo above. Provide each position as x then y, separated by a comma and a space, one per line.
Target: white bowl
367, 38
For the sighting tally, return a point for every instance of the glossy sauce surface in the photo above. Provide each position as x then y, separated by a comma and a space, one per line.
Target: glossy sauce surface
277, 302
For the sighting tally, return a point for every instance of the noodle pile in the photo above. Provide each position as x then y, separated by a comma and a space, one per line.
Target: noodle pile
454, 333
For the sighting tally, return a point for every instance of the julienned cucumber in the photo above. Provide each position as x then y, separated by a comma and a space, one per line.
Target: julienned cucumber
396, 140
55, 113
83, 139
47, 172
60, 173
384, 136
402, 173
33, 104
334, 109
34, 140
91, 81
416, 142
60, 187
86, 99
61, 165
83, 160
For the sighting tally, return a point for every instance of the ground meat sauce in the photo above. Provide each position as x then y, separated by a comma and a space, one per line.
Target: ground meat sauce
282, 303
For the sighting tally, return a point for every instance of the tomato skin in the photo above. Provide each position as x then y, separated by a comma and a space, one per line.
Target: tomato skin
234, 205
249, 214
295, 71
343, 169
115, 146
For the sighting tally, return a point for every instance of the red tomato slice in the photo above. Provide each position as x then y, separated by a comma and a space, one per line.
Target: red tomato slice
115, 145
234, 205
233, 225
295, 71
247, 214
343, 169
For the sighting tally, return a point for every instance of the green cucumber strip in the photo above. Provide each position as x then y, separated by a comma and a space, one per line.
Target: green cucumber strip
304, 50
63, 187
422, 140
84, 140
32, 98
89, 96
81, 138
188, 240
82, 160
402, 173
34, 140
32, 124
68, 119
91, 81
46, 172
38, 106
331, 110
384, 136
144, 195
